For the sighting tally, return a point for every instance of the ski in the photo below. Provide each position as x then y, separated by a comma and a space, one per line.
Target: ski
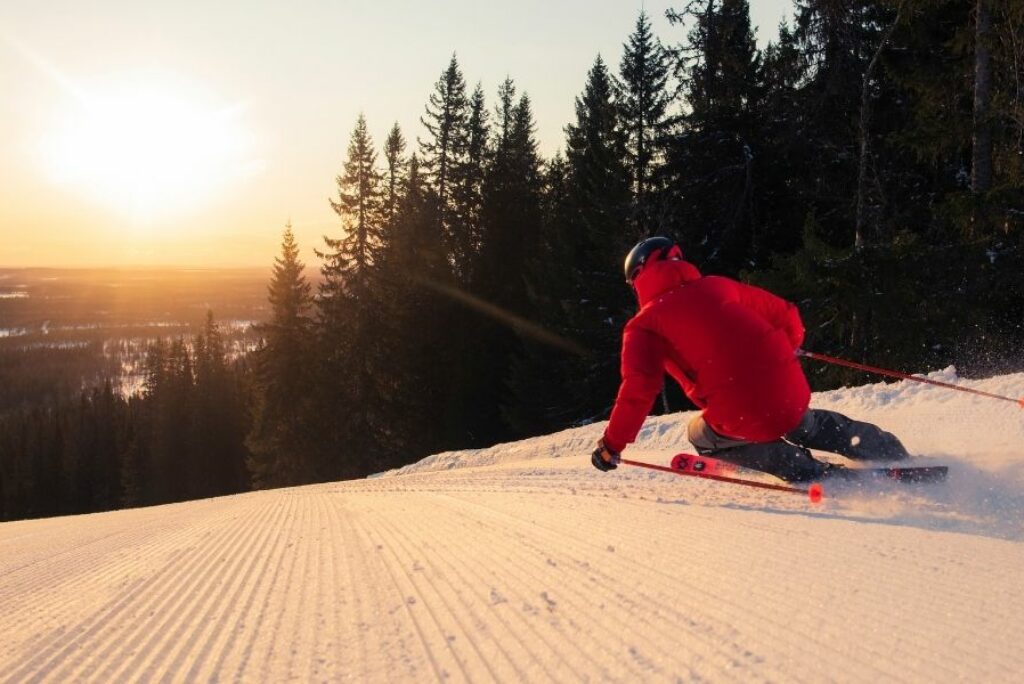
693, 463
814, 491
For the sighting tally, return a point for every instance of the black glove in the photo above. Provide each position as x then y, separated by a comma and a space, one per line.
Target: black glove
604, 459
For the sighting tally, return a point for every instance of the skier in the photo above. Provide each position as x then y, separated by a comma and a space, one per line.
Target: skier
732, 347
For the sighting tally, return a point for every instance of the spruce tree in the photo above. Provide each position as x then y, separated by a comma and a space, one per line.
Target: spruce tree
598, 200
394, 158
870, 84
709, 176
541, 372
135, 458
415, 244
643, 101
351, 413
467, 194
443, 152
510, 222
838, 39
219, 422
421, 354
783, 177
351, 259
511, 211
144, 471
279, 441
108, 426
170, 409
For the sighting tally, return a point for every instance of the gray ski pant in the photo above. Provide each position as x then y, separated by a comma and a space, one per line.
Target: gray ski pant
789, 457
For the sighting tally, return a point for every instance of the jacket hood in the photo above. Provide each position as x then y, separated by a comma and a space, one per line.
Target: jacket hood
658, 277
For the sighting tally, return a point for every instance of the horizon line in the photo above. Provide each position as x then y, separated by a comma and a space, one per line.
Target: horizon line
136, 267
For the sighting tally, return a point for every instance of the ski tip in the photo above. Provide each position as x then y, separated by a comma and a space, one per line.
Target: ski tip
1021, 402
815, 492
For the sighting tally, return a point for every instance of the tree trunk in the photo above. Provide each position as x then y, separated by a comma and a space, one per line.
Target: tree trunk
981, 167
865, 120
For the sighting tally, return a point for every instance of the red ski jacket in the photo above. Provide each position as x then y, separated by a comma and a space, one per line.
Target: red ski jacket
729, 345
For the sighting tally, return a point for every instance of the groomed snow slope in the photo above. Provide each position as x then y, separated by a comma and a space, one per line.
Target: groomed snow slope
522, 563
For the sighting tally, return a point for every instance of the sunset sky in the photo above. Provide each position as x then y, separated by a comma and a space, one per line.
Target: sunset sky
189, 132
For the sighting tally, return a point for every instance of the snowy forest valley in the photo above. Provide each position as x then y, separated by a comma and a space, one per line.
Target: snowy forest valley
74, 345
62, 330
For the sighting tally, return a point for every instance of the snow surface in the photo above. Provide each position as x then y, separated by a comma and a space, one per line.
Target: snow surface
523, 563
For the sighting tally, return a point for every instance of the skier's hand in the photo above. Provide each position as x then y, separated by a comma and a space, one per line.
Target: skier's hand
604, 459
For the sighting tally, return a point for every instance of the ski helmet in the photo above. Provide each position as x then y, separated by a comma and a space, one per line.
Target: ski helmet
658, 246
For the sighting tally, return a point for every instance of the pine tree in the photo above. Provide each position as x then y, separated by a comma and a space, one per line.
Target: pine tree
279, 441
420, 352
869, 86
783, 176
838, 39
135, 456
350, 414
596, 155
177, 460
598, 200
541, 372
644, 100
169, 421
443, 151
510, 223
394, 157
416, 241
155, 368
709, 172
220, 426
47, 464
467, 194
511, 211
350, 260
145, 473
109, 424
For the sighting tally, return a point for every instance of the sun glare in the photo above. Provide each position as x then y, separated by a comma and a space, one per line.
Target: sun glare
148, 153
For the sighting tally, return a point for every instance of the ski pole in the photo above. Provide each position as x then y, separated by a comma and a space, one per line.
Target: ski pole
814, 492
903, 376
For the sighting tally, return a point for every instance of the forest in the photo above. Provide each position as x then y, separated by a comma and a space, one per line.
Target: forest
868, 164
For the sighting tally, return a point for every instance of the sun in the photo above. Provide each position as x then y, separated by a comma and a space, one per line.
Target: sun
147, 152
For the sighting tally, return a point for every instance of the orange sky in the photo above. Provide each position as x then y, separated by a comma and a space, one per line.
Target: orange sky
189, 132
